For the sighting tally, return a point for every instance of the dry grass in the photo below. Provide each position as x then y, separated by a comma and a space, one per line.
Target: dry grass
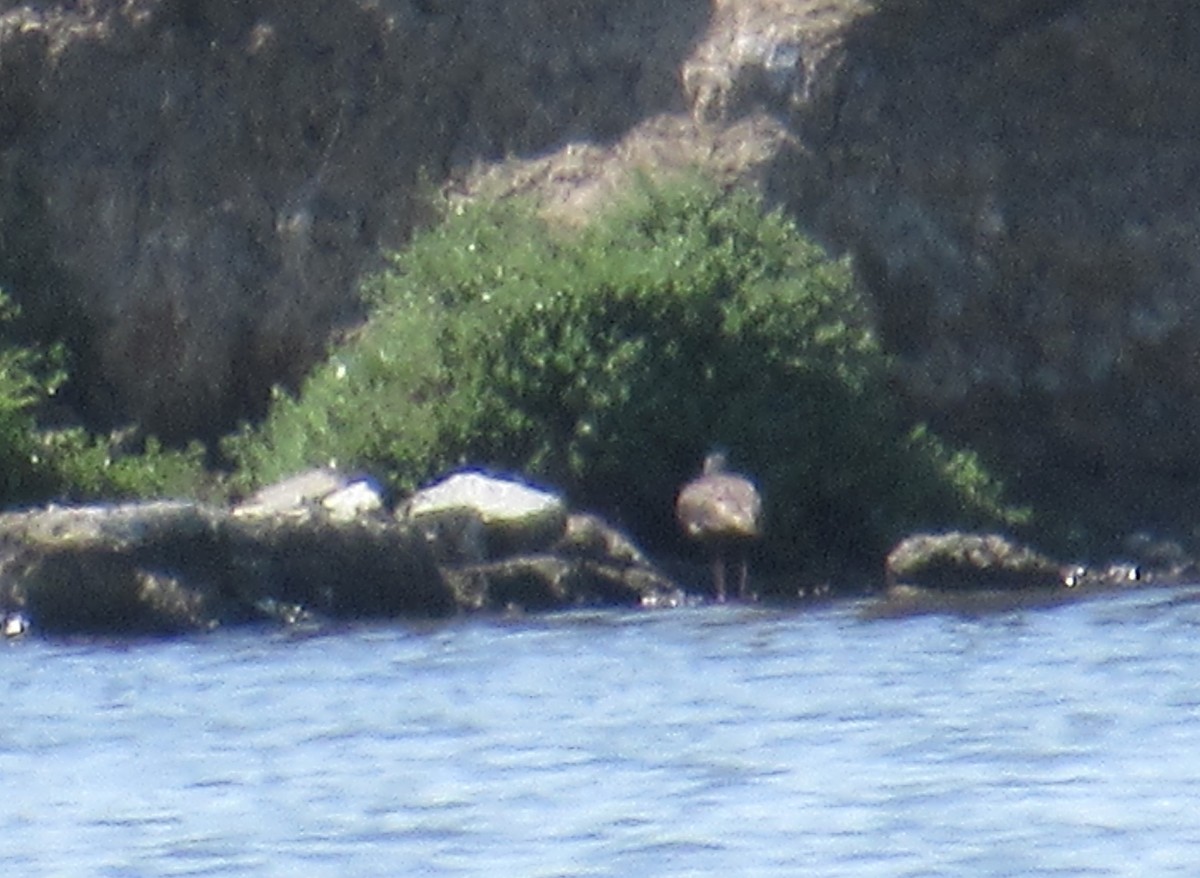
736, 125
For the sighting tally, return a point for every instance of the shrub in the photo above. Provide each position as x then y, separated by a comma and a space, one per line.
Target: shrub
37, 465
26, 377
607, 360
90, 468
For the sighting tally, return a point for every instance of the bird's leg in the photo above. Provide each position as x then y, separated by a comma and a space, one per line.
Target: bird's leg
718, 566
743, 578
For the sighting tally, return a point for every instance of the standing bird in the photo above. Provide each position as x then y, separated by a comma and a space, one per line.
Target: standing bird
723, 511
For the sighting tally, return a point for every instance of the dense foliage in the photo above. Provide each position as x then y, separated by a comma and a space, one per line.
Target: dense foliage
25, 378
38, 464
607, 360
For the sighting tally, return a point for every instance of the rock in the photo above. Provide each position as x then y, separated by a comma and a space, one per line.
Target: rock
335, 569
913, 595
108, 569
1010, 180
610, 563
974, 574
356, 500
94, 592
454, 536
962, 562
344, 497
591, 564
478, 517
290, 557
552, 582
125, 527
13, 625
158, 568
589, 537
163, 158
504, 545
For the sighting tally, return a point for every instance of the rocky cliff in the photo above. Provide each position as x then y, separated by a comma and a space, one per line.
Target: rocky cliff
1013, 180
189, 188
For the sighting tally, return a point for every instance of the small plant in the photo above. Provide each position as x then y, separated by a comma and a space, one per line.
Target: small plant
607, 360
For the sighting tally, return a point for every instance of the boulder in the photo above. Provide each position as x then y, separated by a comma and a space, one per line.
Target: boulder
471, 516
155, 568
973, 574
504, 545
959, 562
590, 537
344, 497
355, 500
337, 569
113, 568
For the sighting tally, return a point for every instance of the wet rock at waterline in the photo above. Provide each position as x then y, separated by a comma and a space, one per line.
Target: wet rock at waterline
969, 573
550, 581
957, 561
161, 568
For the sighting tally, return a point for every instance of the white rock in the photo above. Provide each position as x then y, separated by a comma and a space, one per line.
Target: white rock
293, 493
495, 499
343, 497
515, 517
14, 625
356, 499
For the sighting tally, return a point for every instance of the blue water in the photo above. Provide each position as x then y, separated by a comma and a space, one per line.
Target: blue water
704, 741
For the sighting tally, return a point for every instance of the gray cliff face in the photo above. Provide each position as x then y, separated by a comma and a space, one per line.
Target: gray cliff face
190, 188
1013, 180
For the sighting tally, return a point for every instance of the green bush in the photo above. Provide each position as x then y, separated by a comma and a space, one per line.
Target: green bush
38, 465
84, 467
607, 360
26, 377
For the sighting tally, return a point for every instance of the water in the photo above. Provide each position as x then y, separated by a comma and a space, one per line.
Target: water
706, 741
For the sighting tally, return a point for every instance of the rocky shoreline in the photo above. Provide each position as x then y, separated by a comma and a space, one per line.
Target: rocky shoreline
322, 547
317, 547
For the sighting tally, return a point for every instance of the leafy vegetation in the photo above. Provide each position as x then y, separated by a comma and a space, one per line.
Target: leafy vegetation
86, 467
25, 378
69, 464
607, 360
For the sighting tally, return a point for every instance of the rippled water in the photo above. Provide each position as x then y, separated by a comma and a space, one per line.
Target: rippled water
705, 741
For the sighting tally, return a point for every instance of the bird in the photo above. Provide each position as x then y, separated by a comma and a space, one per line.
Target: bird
724, 512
